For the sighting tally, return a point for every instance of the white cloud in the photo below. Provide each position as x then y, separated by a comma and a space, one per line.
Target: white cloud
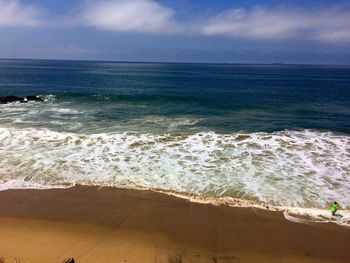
128, 16
327, 25
13, 13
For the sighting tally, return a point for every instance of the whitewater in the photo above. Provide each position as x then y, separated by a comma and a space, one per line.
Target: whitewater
303, 168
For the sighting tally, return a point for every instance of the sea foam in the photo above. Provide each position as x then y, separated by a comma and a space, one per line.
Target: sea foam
289, 168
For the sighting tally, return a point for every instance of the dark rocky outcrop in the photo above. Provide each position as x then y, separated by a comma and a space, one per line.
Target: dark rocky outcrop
34, 98
9, 99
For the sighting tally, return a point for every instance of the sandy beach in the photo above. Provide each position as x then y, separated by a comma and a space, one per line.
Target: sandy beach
115, 225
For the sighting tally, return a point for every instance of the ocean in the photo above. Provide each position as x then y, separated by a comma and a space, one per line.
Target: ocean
276, 134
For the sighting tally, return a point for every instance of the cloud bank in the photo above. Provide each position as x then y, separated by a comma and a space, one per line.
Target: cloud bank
13, 13
128, 16
327, 25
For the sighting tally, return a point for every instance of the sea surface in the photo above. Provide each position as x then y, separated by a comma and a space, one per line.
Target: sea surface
278, 134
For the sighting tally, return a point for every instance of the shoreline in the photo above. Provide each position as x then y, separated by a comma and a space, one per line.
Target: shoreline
99, 224
305, 215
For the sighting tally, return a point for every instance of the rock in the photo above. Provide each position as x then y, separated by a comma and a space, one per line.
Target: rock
34, 98
9, 99
69, 260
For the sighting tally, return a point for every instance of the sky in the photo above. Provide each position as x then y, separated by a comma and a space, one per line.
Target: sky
200, 31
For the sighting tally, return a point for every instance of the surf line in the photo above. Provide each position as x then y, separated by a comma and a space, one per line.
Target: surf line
299, 220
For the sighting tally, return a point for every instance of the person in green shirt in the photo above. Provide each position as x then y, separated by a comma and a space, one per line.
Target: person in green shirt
334, 208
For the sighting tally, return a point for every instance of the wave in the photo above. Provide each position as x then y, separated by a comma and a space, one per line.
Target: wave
295, 168
65, 117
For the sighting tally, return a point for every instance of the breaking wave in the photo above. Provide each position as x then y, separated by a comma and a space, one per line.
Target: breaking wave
293, 168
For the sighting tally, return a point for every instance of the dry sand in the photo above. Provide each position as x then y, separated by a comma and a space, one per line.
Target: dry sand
114, 225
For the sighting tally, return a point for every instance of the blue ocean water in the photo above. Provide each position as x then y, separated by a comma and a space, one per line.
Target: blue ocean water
270, 133
220, 98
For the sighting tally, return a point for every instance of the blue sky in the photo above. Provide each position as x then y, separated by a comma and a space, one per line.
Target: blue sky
229, 31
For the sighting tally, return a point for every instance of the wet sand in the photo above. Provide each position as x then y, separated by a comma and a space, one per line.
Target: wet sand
114, 225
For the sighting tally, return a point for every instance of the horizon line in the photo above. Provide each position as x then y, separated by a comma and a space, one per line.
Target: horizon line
172, 62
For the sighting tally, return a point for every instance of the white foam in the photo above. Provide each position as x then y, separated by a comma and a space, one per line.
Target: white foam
65, 111
48, 114
180, 122
22, 184
290, 168
48, 97
294, 214
316, 216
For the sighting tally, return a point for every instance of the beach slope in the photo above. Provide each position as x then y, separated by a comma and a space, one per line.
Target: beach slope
95, 224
